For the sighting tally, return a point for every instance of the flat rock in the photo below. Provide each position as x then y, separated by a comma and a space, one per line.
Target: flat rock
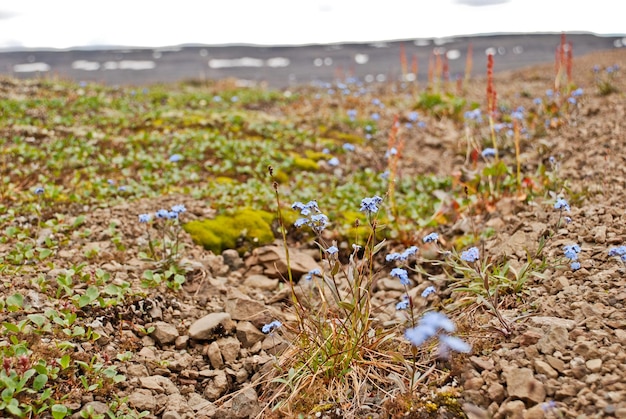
521, 384
274, 261
159, 384
262, 282
248, 334
164, 333
553, 321
142, 399
212, 326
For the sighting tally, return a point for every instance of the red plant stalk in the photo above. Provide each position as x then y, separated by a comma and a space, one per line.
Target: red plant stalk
446, 68
469, 62
414, 67
431, 68
516, 133
403, 62
570, 62
491, 102
438, 68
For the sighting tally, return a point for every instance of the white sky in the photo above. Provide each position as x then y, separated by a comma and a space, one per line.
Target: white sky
154, 23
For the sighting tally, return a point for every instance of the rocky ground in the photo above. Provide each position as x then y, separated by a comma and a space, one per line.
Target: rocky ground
564, 358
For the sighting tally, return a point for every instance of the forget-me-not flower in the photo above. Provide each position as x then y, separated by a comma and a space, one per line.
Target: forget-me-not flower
430, 238
427, 291
175, 158
270, 327
144, 218
561, 204
370, 205
401, 274
332, 250
470, 255
489, 152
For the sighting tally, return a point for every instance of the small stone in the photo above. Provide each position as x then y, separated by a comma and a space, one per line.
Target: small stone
242, 307
521, 384
229, 348
245, 404
159, 384
495, 392
482, 364
199, 404
553, 321
211, 326
248, 334
535, 412
217, 386
164, 333
556, 363
215, 356
181, 342
544, 368
261, 282
232, 259
513, 409
142, 399
594, 365
473, 383
171, 414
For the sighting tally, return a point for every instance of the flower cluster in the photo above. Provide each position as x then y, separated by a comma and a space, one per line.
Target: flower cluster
311, 216
431, 238
270, 327
562, 204
172, 214
402, 257
427, 291
370, 205
401, 274
471, 255
571, 252
618, 251
433, 324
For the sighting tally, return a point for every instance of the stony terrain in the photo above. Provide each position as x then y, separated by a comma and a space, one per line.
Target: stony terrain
199, 352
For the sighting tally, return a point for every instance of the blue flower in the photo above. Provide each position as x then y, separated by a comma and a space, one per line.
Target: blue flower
122, 188
375, 116
311, 273
401, 274
38, 190
561, 204
270, 327
571, 100
577, 92
351, 114
404, 304
175, 158
428, 291
171, 215
179, 208
470, 255
447, 343
410, 251
301, 222
571, 251
537, 101
144, 218
370, 205
413, 116
162, 213
489, 152
617, 251
421, 124
111, 182
575, 266
332, 250
429, 325
349, 147
333, 162
432, 237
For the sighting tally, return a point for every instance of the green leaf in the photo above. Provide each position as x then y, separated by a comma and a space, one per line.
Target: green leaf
80, 220
44, 253
11, 327
15, 302
37, 319
13, 408
58, 411
64, 361
40, 381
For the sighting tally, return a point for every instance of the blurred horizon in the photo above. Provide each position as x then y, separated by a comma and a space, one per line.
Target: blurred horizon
68, 24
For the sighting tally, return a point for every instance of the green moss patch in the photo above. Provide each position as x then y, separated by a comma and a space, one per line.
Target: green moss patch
242, 230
